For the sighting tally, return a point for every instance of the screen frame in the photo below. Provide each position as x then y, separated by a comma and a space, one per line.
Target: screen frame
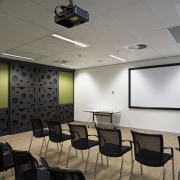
129, 87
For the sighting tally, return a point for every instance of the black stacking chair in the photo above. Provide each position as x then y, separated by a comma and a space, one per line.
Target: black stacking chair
57, 173
6, 158
56, 135
149, 151
110, 145
38, 132
63, 174
80, 140
27, 168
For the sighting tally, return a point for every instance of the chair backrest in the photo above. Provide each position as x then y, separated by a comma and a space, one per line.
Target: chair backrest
148, 148
55, 131
6, 158
79, 136
25, 163
58, 174
109, 138
37, 127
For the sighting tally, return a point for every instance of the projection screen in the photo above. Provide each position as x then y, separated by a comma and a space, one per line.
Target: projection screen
155, 87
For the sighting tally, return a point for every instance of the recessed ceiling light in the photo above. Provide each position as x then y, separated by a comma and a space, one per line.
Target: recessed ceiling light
13, 55
71, 41
66, 65
117, 58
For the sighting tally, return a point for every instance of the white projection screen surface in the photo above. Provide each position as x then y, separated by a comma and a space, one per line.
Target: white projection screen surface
155, 87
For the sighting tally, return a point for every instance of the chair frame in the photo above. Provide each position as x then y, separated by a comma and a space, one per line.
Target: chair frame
55, 126
101, 138
88, 142
162, 148
38, 132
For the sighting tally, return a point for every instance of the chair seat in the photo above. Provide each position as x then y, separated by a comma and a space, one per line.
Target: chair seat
113, 150
152, 158
57, 138
83, 143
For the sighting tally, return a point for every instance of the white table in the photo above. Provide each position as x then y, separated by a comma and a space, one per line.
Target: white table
98, 112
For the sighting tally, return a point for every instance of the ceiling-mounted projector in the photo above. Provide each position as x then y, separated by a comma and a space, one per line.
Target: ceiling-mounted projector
70, 16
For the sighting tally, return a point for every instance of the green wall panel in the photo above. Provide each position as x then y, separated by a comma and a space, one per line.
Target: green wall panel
3, 85
65, 87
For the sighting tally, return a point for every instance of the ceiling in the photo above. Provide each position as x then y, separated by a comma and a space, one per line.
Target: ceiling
26, 27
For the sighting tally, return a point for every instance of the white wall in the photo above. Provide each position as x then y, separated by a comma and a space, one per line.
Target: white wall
94, 89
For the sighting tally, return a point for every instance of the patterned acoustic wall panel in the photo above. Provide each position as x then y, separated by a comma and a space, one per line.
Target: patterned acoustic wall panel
47, 96
66, 113
22, 76
22, 97
4, 122
20, 119
48, 113
47, 78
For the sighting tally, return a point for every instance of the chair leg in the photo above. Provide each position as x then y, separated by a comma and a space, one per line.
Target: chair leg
141, 169
41, 146
164, 173
68, 156
46, 148
173, 176
107, 161
102, 159
121, 167
96, 165
76, 152
132, 169
60, 152
30, 143
82, 154
87, 161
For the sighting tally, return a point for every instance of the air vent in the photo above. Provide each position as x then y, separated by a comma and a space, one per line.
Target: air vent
175, 32
137, 47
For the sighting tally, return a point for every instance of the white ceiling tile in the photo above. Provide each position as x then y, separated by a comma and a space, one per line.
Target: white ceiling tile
18, 25
49, 46
36, 50
148, 53
109, 5
157, 38
7, 45
13, 36
31, 12
172, 50
164, 11
137, 18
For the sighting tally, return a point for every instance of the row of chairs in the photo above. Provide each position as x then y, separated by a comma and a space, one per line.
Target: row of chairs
148, 148
26, 167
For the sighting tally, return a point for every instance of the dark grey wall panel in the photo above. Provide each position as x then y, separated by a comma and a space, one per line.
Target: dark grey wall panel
20, 119
22, 76
22, 97
48, 113
4, 122
66, 113
48, 78
47, 96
